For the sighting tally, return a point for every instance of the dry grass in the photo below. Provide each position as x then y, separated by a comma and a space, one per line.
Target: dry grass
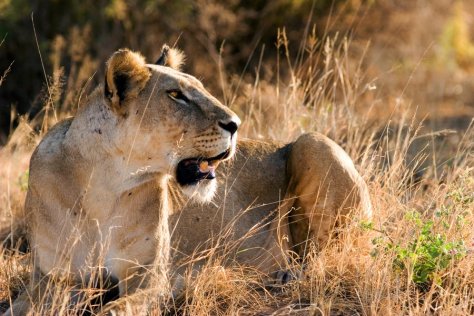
416, 175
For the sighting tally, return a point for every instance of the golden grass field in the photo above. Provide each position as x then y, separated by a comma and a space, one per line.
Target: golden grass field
397, 94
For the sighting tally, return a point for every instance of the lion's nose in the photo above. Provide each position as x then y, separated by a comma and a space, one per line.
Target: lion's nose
231, 126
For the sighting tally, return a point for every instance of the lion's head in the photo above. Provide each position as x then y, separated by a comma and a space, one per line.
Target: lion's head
169, 122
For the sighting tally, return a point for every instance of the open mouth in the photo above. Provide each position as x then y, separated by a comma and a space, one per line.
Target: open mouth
192, 170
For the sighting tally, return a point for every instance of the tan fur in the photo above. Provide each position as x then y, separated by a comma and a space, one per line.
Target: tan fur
101, 187
271, 199
98, 184
172, 57
128, 64
176, 58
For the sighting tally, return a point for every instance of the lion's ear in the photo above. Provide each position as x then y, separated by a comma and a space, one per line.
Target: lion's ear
126, 75
171, 57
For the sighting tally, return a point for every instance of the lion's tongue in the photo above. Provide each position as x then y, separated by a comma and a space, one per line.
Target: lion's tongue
208, 167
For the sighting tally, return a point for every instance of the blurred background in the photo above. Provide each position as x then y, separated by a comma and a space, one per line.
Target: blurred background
412, 54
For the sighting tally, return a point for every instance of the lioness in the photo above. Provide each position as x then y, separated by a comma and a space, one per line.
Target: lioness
109, 187
98, 186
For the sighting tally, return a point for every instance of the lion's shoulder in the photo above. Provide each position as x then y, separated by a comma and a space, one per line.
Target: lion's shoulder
51, 142
50, 152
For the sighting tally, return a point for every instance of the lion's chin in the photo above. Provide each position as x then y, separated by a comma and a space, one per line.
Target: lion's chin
201, 192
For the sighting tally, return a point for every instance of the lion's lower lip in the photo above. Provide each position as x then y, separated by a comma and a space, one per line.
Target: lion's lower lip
192, 170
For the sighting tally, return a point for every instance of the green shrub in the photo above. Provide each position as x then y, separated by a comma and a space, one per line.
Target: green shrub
427, 253
433, 243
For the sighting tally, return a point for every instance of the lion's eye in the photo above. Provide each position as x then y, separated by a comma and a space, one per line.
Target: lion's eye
174, 94
177, 95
